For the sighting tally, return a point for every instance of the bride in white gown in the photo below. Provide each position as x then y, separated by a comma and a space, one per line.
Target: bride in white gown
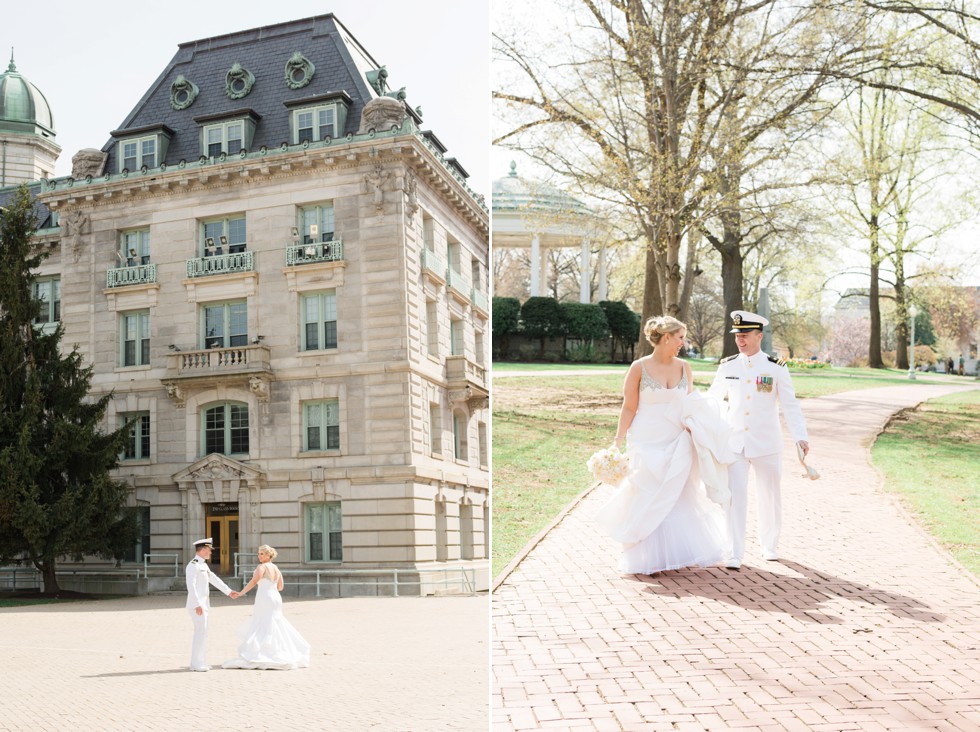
268, 639
660, 512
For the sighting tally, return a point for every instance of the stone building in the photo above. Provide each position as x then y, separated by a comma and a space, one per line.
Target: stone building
282, 279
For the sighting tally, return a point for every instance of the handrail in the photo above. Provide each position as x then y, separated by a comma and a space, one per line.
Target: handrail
175, 556
32, 572
327, 251
466, 579
221, 264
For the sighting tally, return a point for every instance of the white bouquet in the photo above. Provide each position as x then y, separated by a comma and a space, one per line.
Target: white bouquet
609, 465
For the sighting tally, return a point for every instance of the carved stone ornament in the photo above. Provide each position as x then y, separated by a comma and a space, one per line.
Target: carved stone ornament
238, 81
87, 162
299, 71
75, 223
381, 115
176, 393
216, 469
183, 92
259, 387
412, 192
374, 183
460, 395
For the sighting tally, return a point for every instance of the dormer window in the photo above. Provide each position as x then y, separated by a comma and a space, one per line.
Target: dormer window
315, 124
228, 133
318, 118
142, 148
137, 153
224, 138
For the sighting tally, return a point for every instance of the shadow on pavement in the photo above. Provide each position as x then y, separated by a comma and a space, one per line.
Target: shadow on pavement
122, 674
802, 597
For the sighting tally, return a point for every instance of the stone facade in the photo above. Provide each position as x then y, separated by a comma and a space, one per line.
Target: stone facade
26, 158
399, 477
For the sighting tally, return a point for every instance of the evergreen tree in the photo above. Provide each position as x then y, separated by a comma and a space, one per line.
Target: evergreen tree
56, 495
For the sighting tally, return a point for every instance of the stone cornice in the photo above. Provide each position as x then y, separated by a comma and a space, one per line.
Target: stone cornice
283, 162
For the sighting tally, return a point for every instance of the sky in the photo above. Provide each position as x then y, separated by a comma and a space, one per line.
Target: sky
94, 60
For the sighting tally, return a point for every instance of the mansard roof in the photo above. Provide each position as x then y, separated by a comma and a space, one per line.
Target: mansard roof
42, 211
339, 66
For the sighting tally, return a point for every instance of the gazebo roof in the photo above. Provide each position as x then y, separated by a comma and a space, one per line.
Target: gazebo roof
514, 194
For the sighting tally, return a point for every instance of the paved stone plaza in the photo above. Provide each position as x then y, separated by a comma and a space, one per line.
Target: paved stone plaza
392, 664
865, 624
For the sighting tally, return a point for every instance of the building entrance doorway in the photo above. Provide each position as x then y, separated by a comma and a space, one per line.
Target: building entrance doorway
222, 523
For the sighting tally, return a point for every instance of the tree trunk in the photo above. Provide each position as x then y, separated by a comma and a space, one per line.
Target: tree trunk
49, 579
901, 330
689, 268
874, 305
653, 304
731, 281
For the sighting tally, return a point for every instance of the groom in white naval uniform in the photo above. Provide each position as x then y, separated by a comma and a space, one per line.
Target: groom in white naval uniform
199, 578
754, 382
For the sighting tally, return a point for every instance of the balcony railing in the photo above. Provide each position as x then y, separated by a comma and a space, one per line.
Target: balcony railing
434, 263
141, 274
460, 371
479, 300
221, 264
219, 361
327, 251
459, 282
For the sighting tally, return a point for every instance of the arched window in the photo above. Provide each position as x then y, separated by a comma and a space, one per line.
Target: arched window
225, 429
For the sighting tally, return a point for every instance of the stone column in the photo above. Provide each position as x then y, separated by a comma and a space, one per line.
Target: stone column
603, 293
585, 294
535, 265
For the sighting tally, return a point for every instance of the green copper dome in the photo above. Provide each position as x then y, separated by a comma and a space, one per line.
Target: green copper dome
23, 108
513, 193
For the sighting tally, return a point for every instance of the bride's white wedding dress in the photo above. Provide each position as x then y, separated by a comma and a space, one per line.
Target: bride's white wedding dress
660, 512
269, 641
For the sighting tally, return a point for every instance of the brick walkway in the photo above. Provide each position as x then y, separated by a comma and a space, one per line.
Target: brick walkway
391, 664
865, 624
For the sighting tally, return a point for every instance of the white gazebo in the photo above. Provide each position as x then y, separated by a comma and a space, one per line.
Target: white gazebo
530, 214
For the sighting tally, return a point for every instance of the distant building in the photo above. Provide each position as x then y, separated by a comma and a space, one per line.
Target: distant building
284, 283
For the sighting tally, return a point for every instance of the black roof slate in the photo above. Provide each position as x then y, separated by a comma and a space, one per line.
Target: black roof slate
42, 211
264, 52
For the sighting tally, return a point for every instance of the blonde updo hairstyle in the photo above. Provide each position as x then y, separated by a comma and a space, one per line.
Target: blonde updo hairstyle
269, 551
659, 326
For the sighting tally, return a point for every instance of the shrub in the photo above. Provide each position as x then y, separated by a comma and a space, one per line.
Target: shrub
624, 326
541, 318
583, 321
506, 320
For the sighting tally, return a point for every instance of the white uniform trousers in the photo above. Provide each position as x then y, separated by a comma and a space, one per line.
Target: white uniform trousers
199, 646
768, 471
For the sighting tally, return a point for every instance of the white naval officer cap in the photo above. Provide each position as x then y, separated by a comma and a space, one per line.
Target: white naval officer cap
203, 542
744, 321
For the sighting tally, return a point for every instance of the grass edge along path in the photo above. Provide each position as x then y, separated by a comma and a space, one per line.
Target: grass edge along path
536, 475
538, 469
929, 456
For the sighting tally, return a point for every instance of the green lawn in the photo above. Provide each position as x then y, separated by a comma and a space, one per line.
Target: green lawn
538, 468
545, 427
931, 458
806, 382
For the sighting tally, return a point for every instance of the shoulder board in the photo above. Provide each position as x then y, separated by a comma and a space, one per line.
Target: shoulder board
195, 560
728, 358
778, 361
